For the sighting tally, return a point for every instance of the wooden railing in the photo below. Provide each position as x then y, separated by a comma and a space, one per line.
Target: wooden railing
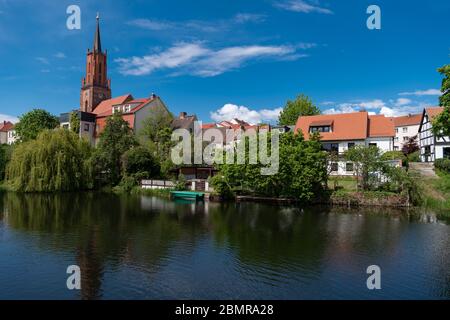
157, 184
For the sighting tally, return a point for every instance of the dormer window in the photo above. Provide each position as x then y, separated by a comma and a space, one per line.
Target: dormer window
321, 126
320, 129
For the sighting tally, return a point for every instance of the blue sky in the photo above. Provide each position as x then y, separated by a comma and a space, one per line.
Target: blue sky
220, 59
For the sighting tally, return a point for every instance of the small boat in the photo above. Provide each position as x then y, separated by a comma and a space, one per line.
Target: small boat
189, 195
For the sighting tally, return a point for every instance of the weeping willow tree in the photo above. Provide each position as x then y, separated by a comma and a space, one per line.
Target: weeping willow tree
58, 160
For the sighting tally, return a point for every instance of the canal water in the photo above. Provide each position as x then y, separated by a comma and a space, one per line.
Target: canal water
139, 247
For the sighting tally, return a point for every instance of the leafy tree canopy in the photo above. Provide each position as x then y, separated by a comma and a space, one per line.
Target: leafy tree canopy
116, 139
441, 124
301, 106
58, 160
34, 122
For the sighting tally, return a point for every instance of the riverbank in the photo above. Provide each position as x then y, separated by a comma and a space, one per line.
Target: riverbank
436, 192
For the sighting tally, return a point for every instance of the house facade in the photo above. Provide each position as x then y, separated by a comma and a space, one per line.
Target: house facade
7, 133
406, 128
340, 132
432, 147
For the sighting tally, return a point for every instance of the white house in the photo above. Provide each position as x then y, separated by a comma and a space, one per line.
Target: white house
340, 132
406, 127
7, 133
432, 147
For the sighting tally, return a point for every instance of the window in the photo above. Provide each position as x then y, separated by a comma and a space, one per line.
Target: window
320, 129
65, 126
373, 144
405, 139
334, 167
447, 152
350, 145
405, 129
349, 167
396, 130
86, 127
396, 139
331, 147
396, 148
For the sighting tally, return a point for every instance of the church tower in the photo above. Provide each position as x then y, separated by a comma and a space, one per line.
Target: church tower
96, 86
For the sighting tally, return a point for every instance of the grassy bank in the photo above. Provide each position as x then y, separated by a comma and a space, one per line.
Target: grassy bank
137, 190
436, 193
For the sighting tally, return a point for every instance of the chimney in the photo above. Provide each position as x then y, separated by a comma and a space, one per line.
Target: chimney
153, 95
183, 115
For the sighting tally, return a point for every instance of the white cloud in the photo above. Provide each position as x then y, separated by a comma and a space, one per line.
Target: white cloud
60, 55
230, 111
249, 17
302, 6
5, 117
154, 25
196, 59
395, 108
42, 60
197, 25
174, 57
220, 61
428, 92
402, 102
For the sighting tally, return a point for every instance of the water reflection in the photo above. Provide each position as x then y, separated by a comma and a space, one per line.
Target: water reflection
145, 247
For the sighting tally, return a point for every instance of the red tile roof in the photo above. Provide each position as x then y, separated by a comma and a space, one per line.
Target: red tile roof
434, 111
6, 126
348, 126
139, 104
381, 126
106, 105
409, 120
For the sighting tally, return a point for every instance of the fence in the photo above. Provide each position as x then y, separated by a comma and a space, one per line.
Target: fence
157, 184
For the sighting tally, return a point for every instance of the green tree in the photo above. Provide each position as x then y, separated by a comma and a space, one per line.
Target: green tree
74, 122
156, 136
34, 122
302, 172
441, 124
368, 163
116, 139
139, 162
5, 156
301, 106
58, 160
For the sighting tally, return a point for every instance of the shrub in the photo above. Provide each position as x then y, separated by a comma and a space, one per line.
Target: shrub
414, 157
442, 164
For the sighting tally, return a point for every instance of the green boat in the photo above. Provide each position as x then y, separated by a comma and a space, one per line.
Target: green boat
189, 195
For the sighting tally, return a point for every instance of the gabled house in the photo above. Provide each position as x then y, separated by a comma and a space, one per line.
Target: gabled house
184, 121
134, 111
7, 133
431, 146
406, 127
340, 132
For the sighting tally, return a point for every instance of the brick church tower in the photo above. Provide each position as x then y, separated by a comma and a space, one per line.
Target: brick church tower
96, 86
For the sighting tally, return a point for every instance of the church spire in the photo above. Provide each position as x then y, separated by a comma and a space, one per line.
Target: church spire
97, 41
